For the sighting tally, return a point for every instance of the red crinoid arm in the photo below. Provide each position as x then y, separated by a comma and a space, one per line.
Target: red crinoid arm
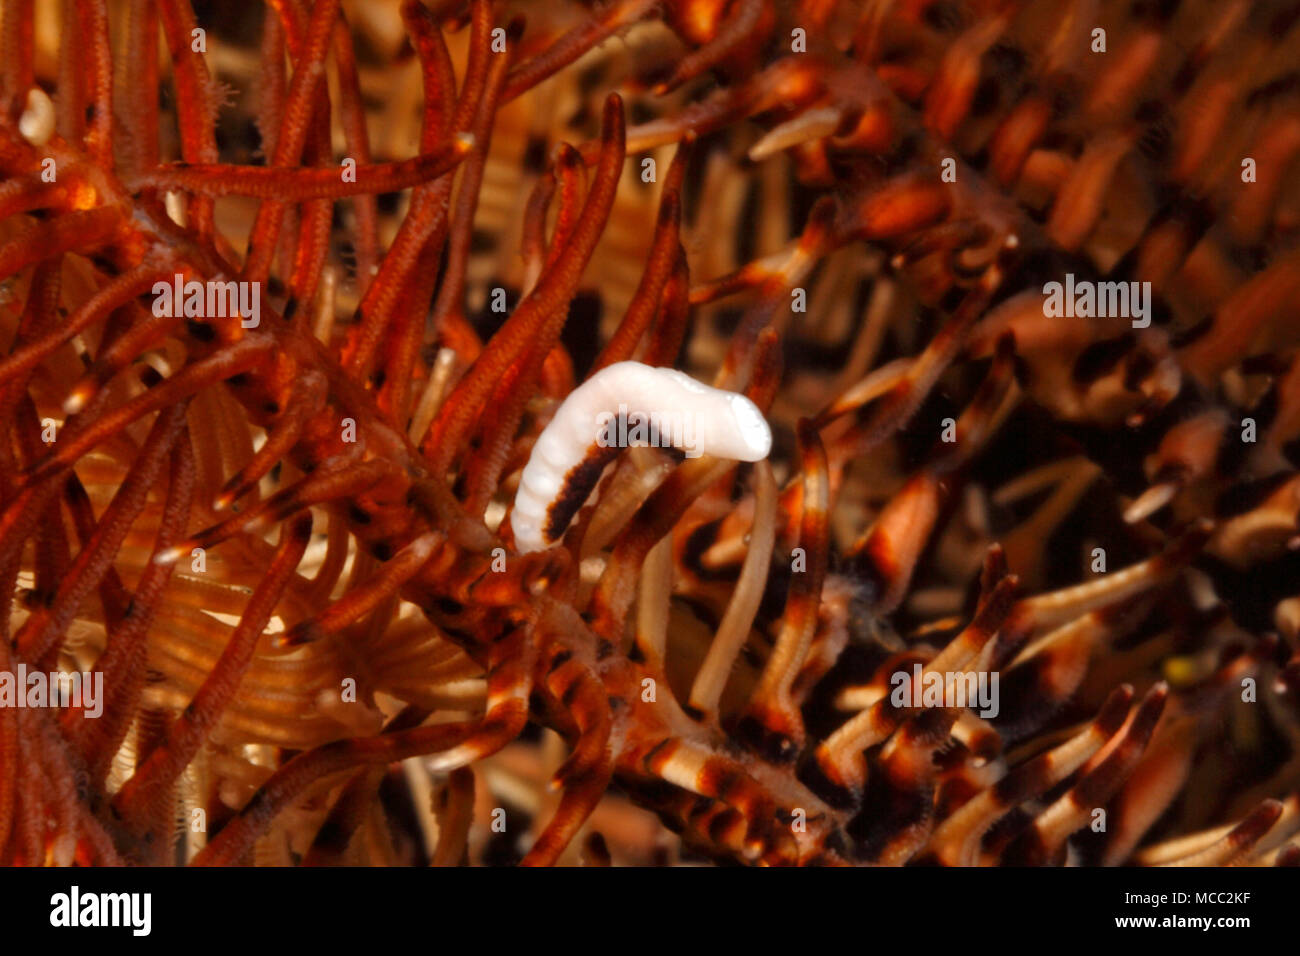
307, 84
787, 83
557, 379
560, 52
775, 287
38, 316
840, 757
892, 547
665, 250
31, 810
315, 221
404, 342
272, 81
123, 660
773, 279
428, 214
741, 30
238, 357
570, 170
46, 627
310, 245
668, 334
88, 395
502, 416
52, 556
440, 115
815, 13
113, 597
228, 847
476, 69
141, 798
546, 304
366, 596
11, 544
330, 481
23, 193
1235, 846
451, 291
83, 231
352, 118
532, 243
66, 819
16, 73
93, 15
307, 399
510, 397
510, 680
16, 366
295, 184
195, 113
70, 104
1238, 322
30, 515
18, 522
137, 88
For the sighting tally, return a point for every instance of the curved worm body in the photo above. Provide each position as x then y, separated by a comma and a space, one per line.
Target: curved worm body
624, 405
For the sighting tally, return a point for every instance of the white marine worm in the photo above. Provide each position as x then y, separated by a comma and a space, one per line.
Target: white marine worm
36, 125
624, 405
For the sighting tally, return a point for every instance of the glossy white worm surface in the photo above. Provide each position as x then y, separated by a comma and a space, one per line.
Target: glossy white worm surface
604, 411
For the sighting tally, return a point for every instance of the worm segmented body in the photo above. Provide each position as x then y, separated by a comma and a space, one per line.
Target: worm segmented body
627, 404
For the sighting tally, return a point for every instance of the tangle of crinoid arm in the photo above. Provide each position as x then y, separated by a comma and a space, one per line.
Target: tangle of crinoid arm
281, 524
